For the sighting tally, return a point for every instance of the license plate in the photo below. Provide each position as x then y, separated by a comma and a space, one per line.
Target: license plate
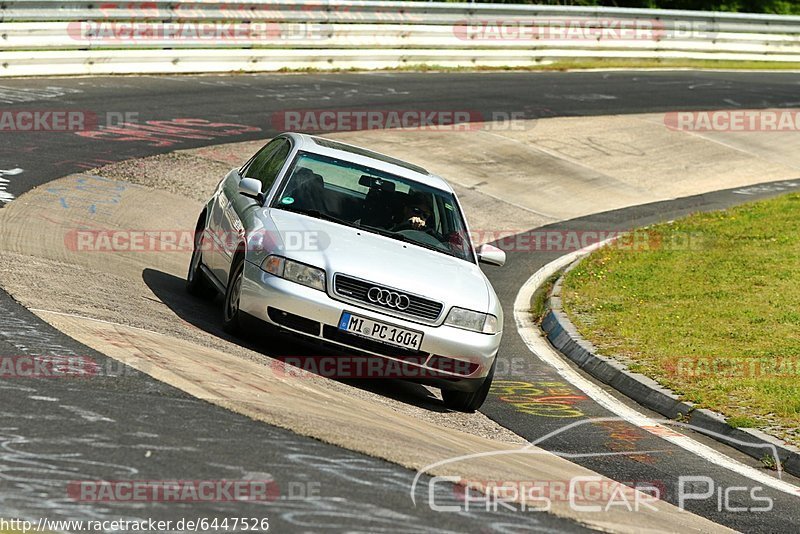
383, 332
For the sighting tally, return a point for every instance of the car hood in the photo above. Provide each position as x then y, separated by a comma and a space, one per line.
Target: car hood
385, 261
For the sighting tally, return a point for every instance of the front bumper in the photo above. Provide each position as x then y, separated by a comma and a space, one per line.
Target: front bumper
262, 291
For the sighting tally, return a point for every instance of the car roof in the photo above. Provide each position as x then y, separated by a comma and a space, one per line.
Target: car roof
370, 158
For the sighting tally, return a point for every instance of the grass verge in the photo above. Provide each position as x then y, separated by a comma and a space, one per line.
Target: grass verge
709, 306
544, 66
677, 63
587, 64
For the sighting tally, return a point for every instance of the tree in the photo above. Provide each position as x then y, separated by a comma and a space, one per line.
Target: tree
781, 7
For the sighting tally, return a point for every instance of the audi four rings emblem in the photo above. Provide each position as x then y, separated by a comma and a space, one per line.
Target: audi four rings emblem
388, 298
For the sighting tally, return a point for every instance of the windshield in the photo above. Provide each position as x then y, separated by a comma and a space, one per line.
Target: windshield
378, 202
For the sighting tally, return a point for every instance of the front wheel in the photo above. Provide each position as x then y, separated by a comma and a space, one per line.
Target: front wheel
464, 401
231, 315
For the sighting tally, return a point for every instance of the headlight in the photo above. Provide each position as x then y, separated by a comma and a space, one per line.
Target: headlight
296, 272
472, 320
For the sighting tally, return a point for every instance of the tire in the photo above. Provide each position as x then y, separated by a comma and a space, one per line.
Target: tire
196, 282
231, 314
469, 402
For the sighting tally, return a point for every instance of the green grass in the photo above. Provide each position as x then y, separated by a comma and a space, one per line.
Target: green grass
715, 316
590, 63
563, 65
677, 63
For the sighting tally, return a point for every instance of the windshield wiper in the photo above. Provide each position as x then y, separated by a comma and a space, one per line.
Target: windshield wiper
387, 233
404, 239
432, 247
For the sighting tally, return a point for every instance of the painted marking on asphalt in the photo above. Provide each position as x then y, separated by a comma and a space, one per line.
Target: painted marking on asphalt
88, 415
94, 194
5, 196
162, 133
38, 469
27, 336
625, 438
14, 95
768, 188
540, 398
541, 348
588, 97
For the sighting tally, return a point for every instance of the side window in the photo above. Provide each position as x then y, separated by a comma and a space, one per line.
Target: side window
265, 152
266, 165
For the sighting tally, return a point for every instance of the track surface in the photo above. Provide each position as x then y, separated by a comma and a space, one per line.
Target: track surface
185, 433
252, 100
127, 426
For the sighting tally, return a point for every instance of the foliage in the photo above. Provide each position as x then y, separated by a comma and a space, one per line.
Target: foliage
783, 7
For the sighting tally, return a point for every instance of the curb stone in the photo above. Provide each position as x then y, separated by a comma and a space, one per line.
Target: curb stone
565, 338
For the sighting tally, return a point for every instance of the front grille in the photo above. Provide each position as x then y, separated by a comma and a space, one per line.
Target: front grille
412, 356
356, 289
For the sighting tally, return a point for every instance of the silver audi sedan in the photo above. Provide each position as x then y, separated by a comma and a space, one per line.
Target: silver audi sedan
361, 251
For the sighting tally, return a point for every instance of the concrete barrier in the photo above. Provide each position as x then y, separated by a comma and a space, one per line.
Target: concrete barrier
46, 37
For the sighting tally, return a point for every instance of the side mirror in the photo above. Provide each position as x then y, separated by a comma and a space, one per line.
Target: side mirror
250, 187
491, 255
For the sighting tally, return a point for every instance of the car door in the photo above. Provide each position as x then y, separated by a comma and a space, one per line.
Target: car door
235, 209
212, 255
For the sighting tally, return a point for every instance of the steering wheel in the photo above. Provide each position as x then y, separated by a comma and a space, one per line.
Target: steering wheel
405, 225
433, 233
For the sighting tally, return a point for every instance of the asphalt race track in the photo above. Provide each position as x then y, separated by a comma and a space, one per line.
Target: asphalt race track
45, 420
164, 434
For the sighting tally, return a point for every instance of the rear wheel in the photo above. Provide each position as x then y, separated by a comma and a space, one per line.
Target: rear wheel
464, 401
196, 282
231, 314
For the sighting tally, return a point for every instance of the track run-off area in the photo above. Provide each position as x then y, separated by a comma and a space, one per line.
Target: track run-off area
552, 156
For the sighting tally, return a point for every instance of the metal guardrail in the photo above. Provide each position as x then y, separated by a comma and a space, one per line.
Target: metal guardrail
47, 37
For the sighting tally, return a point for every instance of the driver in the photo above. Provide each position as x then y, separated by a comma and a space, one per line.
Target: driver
417, 212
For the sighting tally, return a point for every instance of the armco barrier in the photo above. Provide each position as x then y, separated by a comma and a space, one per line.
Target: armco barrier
47, 37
